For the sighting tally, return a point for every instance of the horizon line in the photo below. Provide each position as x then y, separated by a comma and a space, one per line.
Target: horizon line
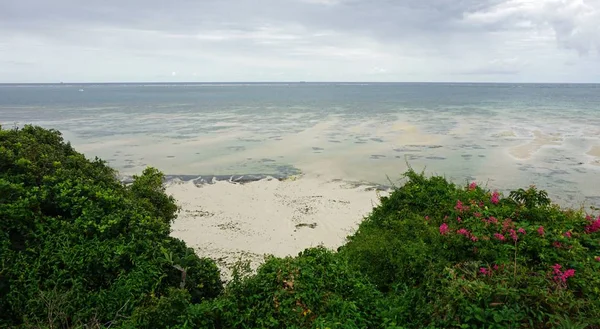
289, 82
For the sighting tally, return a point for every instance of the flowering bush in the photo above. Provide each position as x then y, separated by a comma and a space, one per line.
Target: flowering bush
480, 259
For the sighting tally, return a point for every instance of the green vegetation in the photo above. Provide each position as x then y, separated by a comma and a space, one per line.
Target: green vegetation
79, 249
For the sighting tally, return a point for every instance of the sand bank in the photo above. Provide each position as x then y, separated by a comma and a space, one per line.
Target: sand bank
228, 221
595, 152
526, 151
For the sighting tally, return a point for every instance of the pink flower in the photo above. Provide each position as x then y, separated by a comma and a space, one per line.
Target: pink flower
475, 239
458, 219
499, 236
444, 229
472, 186
495, 197
560, 275
567, 234
513, 235
597, 258
557, 244
426, 217
540, 231
556, 268
481, 204
567, 274
460, 207
495, 267
477, 214
506, 224
484, 271
594, 225
522, 231
493, 220
464, 232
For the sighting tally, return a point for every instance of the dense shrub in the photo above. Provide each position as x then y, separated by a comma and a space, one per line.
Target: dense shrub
449, 256
314, 289
79, 247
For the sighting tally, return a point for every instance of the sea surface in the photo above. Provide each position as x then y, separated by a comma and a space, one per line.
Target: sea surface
502, 135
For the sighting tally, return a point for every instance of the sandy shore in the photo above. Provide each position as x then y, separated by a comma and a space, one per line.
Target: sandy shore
526, 151
229, 222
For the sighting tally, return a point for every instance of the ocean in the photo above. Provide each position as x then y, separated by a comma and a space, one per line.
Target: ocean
503, 136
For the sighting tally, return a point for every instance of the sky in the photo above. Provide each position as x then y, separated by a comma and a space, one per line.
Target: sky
299, 40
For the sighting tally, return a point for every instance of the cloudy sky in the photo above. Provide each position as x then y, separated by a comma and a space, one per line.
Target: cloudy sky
292, 40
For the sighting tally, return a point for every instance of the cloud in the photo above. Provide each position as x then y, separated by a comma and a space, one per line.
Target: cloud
291, 39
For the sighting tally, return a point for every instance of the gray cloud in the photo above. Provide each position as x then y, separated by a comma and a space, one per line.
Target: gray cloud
298, 39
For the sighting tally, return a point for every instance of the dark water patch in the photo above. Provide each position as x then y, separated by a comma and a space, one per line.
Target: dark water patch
170, 156
334, 141
127, 155
129, 166
580, 170
379, 140
466, 156
481, 156
248, 159
360, 142
435, 158
593, 200
425, 146
558, 172
377, 156
471, 147
404, 150
317, 148
236, 148
109, 160
250, 140
266, 160
408, 157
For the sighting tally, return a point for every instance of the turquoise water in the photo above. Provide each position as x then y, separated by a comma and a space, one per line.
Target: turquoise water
503, 135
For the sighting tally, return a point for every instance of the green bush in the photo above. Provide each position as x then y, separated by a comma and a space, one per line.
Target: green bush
448, 256
80, 248
314, 289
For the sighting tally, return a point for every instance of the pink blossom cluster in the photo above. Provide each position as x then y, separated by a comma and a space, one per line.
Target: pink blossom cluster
472, 186
487, 270
499, 236
513, 234
540, 231
460, 207
491, 220
594, 225
506, 224
495, 197
559, 275
464, 232
444, 229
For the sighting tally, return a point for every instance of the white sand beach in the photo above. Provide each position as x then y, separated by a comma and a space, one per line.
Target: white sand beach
231, 221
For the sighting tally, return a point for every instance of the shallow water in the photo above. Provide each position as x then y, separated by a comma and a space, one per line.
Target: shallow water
503, 135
